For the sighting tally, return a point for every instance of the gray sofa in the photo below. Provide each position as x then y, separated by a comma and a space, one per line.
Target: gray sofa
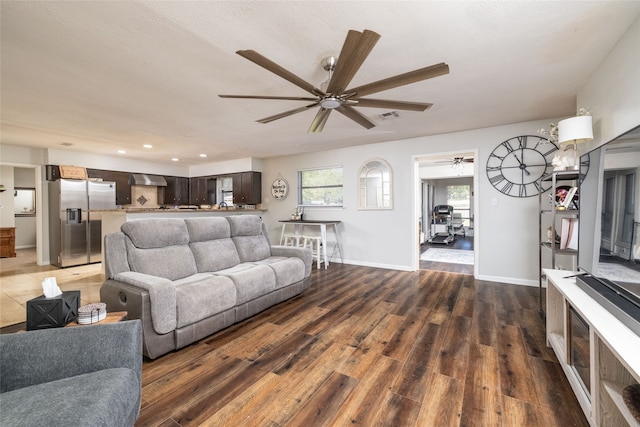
79, 376
188, 278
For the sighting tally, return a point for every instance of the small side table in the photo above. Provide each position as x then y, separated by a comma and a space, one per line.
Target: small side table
112, 317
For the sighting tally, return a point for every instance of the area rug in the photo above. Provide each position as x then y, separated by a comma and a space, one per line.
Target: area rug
454, 256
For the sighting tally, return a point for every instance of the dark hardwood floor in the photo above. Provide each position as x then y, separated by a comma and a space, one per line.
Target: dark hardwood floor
371, 347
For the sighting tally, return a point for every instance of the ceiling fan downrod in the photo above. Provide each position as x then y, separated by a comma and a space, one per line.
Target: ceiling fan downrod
329, 102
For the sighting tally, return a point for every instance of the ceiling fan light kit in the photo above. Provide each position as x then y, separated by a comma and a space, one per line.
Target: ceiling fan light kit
333, 93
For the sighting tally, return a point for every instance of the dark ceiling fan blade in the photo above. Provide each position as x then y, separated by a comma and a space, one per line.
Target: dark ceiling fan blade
393, 105
356, 116
286, 98
400, 80
268, 64
287, 113
319, 120
356, 48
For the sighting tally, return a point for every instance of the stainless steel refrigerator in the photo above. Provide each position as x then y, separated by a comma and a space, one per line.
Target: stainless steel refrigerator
75, 226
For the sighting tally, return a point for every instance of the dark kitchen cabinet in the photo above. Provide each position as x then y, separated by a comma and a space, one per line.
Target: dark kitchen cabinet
177, 191
99, 174
123, 188
198, 191
52, 172
247, 188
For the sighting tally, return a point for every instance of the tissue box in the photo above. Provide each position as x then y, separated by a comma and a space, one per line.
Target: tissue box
43, 313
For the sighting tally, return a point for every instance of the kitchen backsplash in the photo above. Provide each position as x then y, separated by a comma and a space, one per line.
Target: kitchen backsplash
144, 196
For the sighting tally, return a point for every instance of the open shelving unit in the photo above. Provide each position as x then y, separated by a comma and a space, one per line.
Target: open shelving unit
551, 216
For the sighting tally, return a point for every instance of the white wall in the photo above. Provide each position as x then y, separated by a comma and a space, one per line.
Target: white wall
612, 95
506, 247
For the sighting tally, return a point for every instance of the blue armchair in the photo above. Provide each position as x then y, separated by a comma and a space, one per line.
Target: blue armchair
86, 375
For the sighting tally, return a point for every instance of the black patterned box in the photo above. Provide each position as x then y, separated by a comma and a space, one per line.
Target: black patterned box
43, 313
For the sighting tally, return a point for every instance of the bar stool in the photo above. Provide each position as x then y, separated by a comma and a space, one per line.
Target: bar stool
314, 243
293, 239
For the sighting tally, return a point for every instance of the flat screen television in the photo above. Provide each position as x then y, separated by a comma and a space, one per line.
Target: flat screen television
609, 226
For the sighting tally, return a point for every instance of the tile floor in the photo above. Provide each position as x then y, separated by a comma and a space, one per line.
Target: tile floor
21, 280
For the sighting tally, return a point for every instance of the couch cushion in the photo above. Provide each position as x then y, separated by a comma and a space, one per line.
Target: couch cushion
211, 228
252, 248
103, 398
251, 281
170, 262
245, 225
287, 270
214, 255
156, 232
197, 300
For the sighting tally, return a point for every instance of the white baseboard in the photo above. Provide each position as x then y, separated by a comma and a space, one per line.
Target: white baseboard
509, 280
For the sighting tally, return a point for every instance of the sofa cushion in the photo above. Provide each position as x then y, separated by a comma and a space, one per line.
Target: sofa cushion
245, 225
197, 300
170, 262
210, 228
214, 255
251, 281
108, 397
156, 232
287, 270
252, 248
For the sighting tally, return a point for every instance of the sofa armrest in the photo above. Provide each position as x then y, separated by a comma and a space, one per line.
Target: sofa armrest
42, 356
304, 254
162, 295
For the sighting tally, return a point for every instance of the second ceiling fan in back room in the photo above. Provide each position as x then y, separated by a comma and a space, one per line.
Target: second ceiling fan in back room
336, 96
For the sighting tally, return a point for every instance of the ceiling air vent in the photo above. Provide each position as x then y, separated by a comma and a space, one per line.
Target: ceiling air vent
391, 115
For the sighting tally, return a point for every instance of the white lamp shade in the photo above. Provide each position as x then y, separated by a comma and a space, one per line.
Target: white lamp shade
575, 130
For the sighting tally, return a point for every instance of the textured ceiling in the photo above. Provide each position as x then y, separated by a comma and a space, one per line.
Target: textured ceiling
103, 76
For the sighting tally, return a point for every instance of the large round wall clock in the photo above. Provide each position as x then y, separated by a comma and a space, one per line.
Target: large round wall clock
516, 165
279, 188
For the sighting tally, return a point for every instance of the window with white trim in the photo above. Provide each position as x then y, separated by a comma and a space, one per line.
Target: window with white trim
320, 187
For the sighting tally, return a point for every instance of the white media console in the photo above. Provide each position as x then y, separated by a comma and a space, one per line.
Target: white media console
599, 354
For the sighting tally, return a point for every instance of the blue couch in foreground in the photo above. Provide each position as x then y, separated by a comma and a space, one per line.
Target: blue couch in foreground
85, 375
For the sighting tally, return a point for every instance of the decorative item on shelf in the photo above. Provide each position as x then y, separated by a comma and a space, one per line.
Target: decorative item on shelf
568, 133
574, 131
298, 215
2, 188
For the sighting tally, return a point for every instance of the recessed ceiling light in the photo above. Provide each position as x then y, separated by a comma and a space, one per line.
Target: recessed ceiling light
148, 146
175, 159
122, 152
203, 155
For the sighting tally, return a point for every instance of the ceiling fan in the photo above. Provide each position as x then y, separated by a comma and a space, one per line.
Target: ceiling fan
457, 161
336, 95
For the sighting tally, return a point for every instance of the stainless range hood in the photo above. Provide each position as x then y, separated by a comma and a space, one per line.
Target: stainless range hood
146, 179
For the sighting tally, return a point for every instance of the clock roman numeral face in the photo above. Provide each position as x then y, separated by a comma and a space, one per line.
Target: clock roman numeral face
516, 165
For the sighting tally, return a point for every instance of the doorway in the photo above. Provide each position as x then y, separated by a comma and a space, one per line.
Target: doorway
26, 196
446, 212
